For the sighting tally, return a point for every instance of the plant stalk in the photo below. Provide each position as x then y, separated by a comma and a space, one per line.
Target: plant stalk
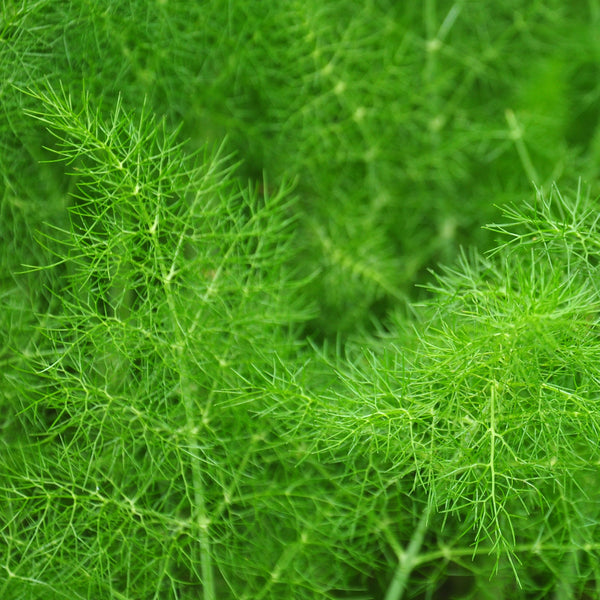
407, 560
200, 516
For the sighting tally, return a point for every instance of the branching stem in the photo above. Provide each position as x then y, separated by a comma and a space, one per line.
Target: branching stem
408, 560
198, 510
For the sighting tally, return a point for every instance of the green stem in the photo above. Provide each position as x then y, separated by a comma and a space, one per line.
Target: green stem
199, 509
199, 512
408, 560
516, 134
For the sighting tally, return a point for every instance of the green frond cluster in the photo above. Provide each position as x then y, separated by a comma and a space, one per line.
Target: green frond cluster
299, 300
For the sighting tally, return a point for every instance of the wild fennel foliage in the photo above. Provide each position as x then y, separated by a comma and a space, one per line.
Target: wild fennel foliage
177, 440
167, 431
146, 463
488, 425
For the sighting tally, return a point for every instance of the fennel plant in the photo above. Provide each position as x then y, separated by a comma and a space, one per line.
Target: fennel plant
232, 365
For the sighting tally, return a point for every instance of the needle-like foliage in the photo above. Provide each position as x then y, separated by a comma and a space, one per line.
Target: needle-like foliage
134, 470
488, 423
232, 367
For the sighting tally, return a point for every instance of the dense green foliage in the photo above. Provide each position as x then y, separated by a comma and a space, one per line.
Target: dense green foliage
299, 299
